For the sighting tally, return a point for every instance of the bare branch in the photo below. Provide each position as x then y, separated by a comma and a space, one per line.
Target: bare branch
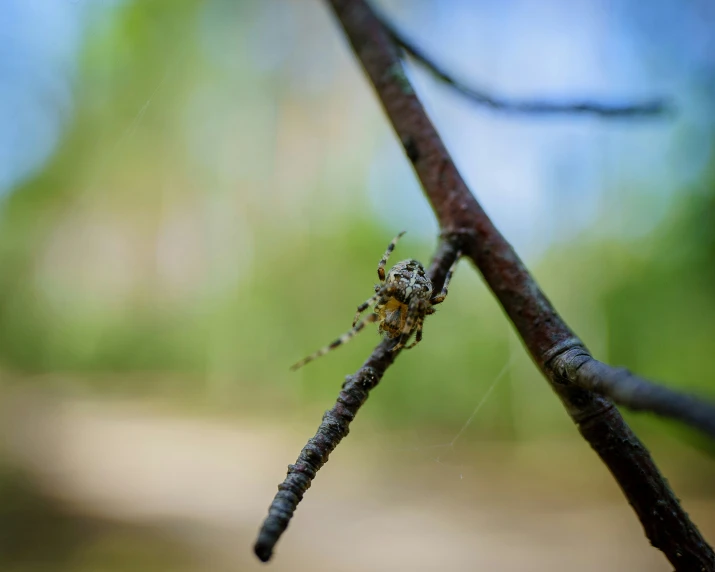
577, 366
332, 430
544, 333
649, 108
335, 425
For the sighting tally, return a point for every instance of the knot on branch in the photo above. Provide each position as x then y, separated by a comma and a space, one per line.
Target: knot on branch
565, 359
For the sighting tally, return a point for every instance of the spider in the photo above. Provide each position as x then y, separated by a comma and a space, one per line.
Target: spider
402, 299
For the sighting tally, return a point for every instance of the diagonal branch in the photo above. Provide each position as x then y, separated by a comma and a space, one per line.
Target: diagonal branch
333, 429
336, 424
649, 108
546, 336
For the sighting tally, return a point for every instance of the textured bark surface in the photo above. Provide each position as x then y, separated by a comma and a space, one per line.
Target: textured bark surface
336, 424
546, 336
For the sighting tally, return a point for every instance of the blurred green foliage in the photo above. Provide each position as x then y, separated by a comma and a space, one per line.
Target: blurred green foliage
84, 288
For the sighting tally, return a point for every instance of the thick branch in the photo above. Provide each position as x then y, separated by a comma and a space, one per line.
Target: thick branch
544, 333
653, 107
335, 425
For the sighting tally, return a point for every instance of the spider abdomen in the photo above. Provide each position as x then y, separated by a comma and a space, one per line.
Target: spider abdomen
409, 280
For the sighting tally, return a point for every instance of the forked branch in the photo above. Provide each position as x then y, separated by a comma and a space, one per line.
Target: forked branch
579, 380
336, 424
625, 388
649, 108
551, 343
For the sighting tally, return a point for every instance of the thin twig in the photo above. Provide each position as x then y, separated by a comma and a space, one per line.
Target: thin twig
543, 331
648, 108
335, 425
332, 430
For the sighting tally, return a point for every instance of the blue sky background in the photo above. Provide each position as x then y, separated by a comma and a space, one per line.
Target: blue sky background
542, 179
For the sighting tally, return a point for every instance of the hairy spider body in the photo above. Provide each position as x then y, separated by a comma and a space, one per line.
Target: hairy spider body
402, 300
406, 281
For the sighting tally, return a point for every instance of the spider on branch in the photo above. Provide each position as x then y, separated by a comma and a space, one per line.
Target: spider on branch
402, 299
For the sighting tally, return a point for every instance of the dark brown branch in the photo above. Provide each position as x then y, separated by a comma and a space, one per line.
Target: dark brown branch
649, 108
633, 391
335, 425
543, 332
332, 430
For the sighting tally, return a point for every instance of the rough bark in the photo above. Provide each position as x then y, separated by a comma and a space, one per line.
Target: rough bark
551, 343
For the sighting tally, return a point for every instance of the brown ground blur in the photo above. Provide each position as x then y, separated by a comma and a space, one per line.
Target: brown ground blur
191, 492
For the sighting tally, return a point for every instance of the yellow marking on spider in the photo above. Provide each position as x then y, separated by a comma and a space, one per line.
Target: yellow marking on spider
401, 301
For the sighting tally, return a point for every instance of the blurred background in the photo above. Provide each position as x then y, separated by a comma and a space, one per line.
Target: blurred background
194, 195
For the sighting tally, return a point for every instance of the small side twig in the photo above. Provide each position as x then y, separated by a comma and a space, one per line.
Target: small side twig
584, 385
638, 394
648, 108
543, 331
336, 425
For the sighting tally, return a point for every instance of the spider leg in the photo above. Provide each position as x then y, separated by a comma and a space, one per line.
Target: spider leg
346, 337
418, 335
382, 291
414, 313
383, 261
439, 299
366, 304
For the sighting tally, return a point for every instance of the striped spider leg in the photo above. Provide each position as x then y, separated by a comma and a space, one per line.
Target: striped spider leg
419, 308
445, 287
401, 300
416, 312
386, 256
346, 337
384, 291
381, 276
